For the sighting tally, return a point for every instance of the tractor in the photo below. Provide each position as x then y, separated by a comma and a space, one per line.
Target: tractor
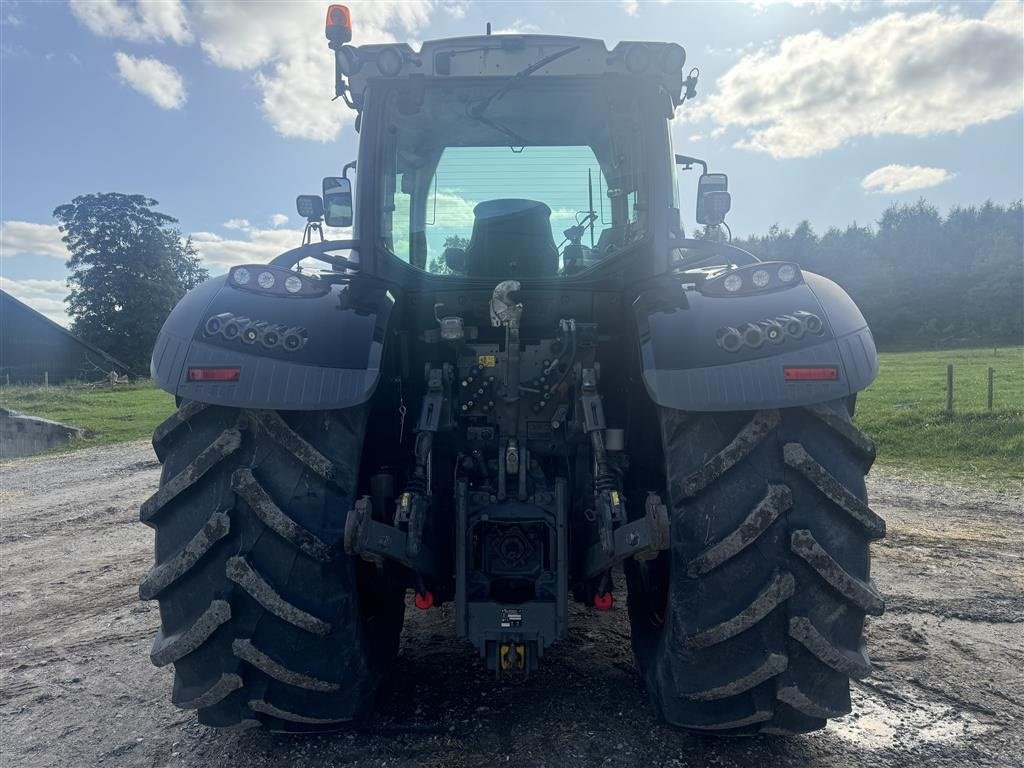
512, 383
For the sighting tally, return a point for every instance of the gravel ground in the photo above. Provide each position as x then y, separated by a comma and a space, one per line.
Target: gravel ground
77, 687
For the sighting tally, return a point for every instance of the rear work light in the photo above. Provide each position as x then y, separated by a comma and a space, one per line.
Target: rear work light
214, 374
752, 278
808, 373
276, 281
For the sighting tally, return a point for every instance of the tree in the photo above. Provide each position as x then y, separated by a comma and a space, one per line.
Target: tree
129, 267
438, 265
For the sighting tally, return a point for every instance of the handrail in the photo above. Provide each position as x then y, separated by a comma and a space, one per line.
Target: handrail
318, 251
714, 248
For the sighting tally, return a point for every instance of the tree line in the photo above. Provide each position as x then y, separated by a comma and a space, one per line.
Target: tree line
922, 280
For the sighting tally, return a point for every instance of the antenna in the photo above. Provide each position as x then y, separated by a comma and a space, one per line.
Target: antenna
590, 196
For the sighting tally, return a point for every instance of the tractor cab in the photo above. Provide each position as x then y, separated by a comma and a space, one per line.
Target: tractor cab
524, 157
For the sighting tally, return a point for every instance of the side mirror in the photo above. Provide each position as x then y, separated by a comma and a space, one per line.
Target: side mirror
337, 201
713, 199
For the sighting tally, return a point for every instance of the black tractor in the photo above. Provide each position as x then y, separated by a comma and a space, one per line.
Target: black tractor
517, 383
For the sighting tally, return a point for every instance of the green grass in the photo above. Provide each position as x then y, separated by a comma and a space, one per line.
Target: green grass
904, 412
108, 416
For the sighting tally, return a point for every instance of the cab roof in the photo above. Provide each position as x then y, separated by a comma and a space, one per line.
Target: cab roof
504, 56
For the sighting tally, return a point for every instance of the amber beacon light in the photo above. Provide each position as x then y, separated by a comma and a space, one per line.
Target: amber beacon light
339, 24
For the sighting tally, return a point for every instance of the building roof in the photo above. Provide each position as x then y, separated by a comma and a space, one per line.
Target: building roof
5, 297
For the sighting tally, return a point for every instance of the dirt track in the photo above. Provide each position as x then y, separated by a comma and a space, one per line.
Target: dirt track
77, 687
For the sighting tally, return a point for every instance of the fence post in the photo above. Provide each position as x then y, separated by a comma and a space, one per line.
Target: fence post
991, 374
949, 388
46, 378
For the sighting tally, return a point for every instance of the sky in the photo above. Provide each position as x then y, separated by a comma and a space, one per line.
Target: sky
222, 111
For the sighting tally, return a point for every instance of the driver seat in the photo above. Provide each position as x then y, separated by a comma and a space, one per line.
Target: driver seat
511, 238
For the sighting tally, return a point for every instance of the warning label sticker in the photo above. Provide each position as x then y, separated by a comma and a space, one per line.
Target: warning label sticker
511, 618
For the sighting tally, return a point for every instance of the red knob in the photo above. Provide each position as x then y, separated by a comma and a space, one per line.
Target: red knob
604, 602
425, 601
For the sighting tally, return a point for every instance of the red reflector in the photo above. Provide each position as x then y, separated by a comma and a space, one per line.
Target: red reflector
803, 373
604, 602
424, 601
214, 374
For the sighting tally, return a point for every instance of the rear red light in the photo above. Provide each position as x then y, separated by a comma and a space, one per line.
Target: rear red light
214, 374
806, 373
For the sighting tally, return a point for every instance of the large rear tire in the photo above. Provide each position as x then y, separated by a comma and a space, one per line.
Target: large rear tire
265, 618
753, 620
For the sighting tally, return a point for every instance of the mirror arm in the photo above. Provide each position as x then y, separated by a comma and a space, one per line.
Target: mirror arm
711, 249
348, 166
688, 162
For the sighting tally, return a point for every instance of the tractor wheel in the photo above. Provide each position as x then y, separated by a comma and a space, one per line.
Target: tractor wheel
752, 621
265, 618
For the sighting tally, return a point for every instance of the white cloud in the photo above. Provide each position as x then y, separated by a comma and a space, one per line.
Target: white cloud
632, 7
894, 179
237, 224
259, 246
518, 27
151, 77
455, 8
280, 43
138, 21
1006, 13
13, 51
44, 296
919, 74
284, 45
28, 238
818, 6
453, 210
815, 6
278, 220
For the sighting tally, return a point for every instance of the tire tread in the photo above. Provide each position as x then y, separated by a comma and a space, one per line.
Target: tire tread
775, 498
258, 604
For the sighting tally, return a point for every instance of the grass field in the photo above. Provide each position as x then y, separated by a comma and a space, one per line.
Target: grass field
904, 411
108, 416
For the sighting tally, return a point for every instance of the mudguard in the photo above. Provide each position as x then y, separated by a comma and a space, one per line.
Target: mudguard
336, 366
686, 367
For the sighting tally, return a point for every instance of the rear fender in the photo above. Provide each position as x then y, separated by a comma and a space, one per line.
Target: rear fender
336, 366
685, 366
